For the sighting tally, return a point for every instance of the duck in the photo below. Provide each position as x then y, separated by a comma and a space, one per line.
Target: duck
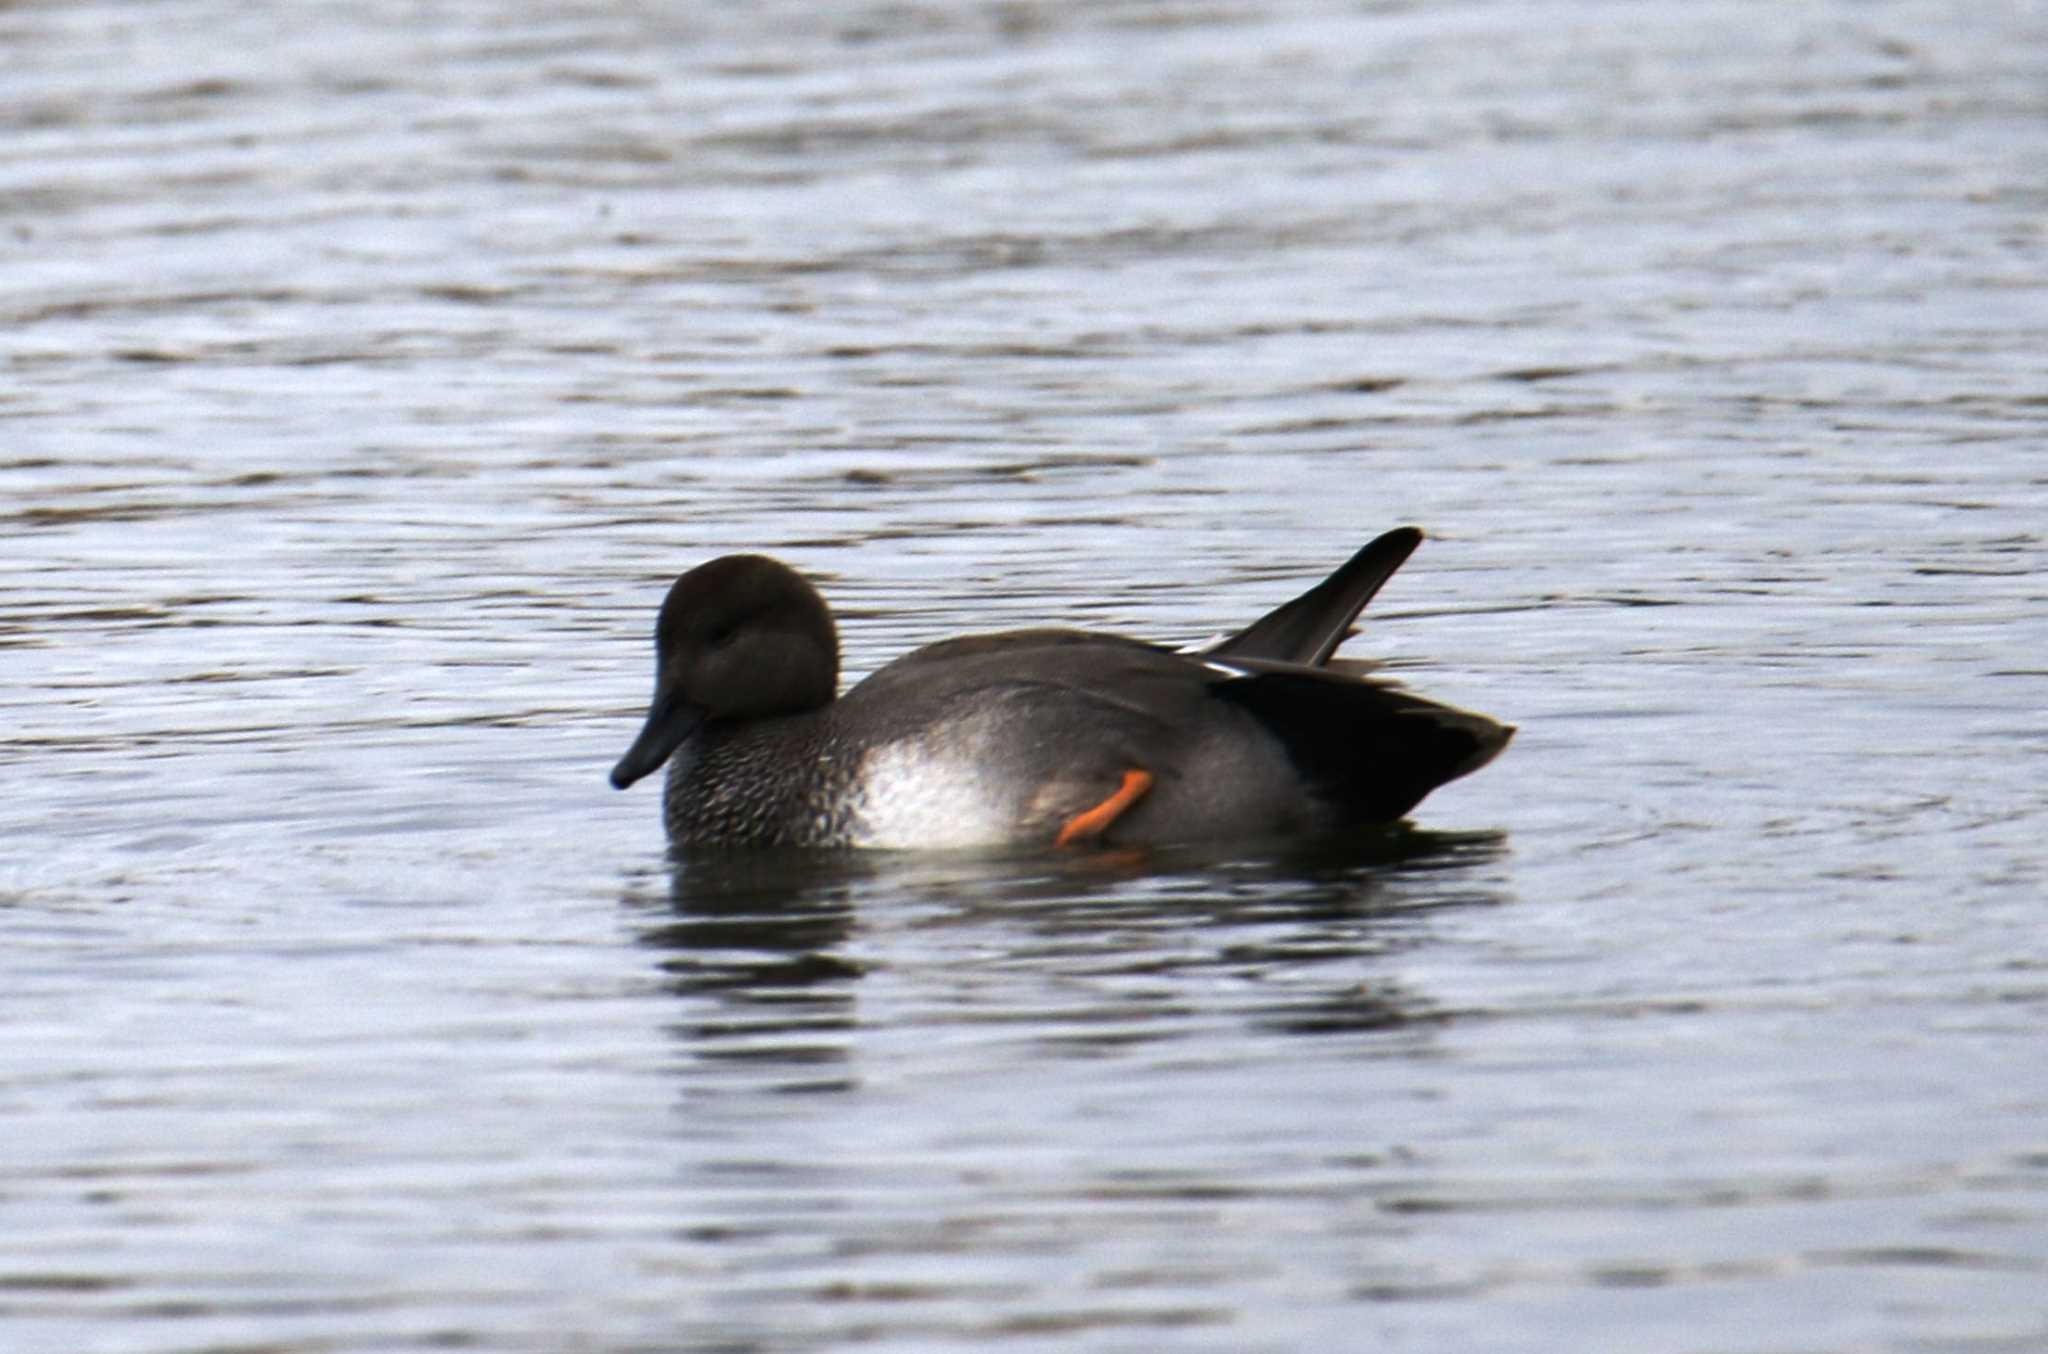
1049, 737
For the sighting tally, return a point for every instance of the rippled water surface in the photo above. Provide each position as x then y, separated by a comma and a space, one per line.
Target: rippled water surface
372, 367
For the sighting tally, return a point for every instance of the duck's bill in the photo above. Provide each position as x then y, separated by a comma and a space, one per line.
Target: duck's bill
668, 724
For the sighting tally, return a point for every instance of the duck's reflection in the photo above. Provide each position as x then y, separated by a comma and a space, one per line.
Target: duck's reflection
1290, 939
1078, 952
744, 919
757, 940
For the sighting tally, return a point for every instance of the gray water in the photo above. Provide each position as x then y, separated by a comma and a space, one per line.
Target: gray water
371, 368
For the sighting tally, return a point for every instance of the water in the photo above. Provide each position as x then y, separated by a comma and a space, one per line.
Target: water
373, 367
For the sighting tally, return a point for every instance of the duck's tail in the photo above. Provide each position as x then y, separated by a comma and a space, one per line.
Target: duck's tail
1370, 749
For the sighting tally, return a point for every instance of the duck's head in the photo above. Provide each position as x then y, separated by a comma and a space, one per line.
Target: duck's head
743, 637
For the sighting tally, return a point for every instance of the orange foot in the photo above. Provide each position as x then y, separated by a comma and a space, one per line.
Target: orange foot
1091, 823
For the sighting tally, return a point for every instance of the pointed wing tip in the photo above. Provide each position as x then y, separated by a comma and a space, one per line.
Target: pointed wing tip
1405, 539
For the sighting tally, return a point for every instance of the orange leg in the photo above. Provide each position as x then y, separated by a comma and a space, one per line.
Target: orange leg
1091, 823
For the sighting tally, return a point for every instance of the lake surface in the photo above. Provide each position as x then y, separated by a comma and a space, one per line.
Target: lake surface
372, 368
